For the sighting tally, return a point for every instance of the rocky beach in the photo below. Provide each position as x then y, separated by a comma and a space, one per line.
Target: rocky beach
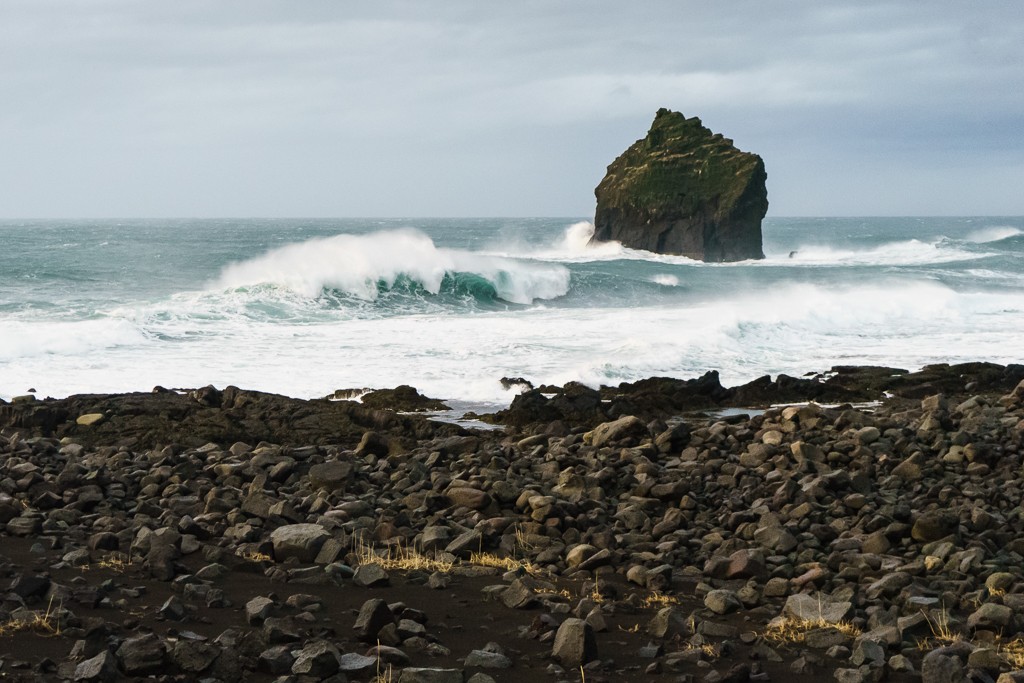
863, 524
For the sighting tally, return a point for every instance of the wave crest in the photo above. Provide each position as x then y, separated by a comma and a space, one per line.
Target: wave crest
364, 265
995, 233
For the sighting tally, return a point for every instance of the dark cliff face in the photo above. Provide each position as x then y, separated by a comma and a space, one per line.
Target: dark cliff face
684, 190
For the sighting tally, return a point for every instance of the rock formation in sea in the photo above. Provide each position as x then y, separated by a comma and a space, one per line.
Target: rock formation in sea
684, 190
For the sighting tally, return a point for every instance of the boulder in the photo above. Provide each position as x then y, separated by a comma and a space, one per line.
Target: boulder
816, 609
684, 190
607, 432
575, 644
373, 616
102, 667
301, 541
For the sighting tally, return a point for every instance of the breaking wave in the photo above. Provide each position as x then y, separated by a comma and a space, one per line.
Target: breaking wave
365, 266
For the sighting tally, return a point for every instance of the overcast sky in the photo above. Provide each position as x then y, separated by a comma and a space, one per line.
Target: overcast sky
470, 108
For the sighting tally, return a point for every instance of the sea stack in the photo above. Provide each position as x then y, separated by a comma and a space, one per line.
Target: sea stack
684, 190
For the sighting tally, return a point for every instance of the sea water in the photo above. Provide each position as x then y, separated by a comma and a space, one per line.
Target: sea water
305, 307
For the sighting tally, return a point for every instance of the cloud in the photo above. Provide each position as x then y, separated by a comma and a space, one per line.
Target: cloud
132, 94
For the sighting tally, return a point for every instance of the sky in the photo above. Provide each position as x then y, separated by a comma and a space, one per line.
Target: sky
191, 108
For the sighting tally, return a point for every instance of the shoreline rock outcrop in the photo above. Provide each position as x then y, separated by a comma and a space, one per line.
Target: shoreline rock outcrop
684, 190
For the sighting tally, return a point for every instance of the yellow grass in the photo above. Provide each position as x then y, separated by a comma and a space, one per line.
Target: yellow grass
657, 599
47, 623
709, 650
401, 558
253, 556
942, 632
790, 630
1013, 653
482, 559
117, 563
382, 676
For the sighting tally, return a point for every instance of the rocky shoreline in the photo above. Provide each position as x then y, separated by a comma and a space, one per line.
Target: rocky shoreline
601, 535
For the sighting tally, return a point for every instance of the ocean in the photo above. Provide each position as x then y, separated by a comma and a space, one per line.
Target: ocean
450, 306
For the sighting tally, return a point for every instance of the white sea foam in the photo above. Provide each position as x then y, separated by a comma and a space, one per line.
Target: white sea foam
574, 246
54, 338
666, 280
903, 253
745, 334
995, 233
357, 263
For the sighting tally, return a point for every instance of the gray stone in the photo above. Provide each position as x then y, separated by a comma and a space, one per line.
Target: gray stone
775, 538
368, 575
607, 432
194, 657
258, 609
824, 638
488, 660
318, 659
868, 652
901, 664
276, 660
519, 595
990, 616
746, 564
356, 663
427, 675
331, 476
575, 643
142, 655
986, 658
939, 666
373, 616
722, 601
102, 667
860, 675
465, 496
931, 526
173, 609
666, 623
816, 609
464, 544
25, 526
301, 541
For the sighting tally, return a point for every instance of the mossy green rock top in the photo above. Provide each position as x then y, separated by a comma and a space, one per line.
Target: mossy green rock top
684, 190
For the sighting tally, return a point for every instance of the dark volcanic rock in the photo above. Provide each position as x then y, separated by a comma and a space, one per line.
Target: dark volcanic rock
684, 190
147, 420
402, 398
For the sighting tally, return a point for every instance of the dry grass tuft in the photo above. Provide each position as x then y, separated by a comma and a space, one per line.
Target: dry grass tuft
47, 623
942, 631
253, 556
709, 651
385, 676
788, 630
401, 558
117, 563
482, 559
657, 599
1013, 652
